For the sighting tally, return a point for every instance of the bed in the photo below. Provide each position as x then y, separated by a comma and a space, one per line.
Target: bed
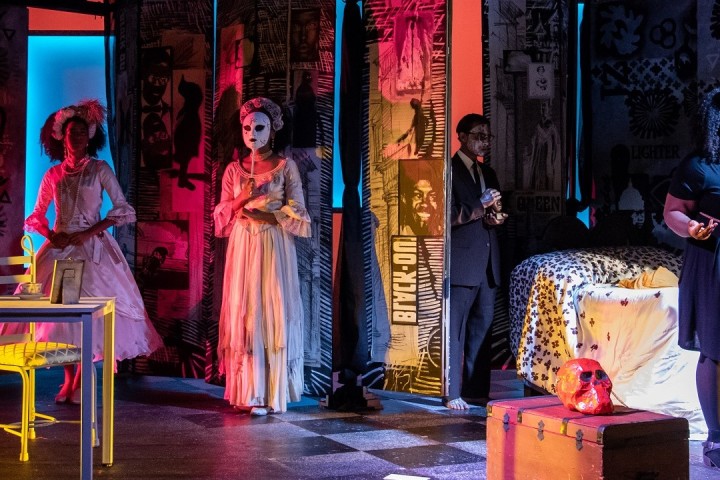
566, 305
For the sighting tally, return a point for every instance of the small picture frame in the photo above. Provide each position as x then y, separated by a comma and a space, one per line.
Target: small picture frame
66, 281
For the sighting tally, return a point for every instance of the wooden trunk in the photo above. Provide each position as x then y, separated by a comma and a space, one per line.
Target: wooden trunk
538, 438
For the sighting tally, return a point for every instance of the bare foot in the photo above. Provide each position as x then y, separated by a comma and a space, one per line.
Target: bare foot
457, 404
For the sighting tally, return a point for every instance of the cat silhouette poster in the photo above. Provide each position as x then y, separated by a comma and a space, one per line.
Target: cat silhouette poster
186, 176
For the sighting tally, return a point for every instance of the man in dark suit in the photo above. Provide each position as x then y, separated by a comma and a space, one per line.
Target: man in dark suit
474, 264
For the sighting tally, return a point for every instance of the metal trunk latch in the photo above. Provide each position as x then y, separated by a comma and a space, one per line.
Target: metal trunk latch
541, 427
506, 422
578, 439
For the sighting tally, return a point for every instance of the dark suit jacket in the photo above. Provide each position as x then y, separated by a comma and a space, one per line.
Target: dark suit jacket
472, 242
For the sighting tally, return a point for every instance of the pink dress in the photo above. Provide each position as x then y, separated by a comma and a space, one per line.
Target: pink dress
261, 320
106, 273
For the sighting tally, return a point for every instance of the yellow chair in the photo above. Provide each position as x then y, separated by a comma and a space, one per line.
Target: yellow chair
22, 354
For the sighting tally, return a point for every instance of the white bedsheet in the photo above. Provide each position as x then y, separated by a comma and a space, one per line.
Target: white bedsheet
633, 334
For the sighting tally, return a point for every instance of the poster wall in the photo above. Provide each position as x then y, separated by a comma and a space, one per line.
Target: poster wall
13, 96
404, 190
525, 98
649, 69
526, 103
170, 244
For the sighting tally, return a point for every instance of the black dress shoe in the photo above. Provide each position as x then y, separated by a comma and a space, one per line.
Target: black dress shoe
711, 454
481, 401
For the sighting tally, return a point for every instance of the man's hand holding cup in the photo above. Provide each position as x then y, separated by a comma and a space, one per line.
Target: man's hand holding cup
492, 202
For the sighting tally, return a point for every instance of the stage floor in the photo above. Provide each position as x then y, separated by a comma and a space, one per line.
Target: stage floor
173, 428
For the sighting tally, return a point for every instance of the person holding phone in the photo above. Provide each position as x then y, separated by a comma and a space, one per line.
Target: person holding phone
692, 208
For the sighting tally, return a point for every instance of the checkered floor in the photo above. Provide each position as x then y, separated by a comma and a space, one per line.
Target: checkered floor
183, 429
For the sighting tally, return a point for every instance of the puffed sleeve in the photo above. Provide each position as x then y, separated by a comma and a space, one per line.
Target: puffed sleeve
688, 180
121, 212
37, 218
223, 215
293, 217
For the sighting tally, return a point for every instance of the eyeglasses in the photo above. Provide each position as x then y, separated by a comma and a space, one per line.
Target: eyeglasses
481, 135
158, 80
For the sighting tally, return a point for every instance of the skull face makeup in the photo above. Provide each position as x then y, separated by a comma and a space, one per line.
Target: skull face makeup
478, 140
584, 386
256, 130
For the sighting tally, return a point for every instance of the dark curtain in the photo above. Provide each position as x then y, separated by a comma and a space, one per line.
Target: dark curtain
584, 168
350, 346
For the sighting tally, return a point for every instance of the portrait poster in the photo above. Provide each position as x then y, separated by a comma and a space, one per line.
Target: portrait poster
305, 35
156, 118
163, 255
420, 190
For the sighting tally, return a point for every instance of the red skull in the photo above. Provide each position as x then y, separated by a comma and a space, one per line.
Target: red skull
583, 385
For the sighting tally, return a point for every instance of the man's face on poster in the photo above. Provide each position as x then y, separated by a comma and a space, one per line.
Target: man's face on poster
155, 83
424, 203
304, 35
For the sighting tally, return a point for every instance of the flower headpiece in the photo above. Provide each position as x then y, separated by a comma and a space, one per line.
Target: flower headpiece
262, 103
92, 111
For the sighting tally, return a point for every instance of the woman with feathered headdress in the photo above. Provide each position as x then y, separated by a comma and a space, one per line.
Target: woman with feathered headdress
73, 135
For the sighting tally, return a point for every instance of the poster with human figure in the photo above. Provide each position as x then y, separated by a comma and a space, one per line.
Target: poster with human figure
543, 155
541, 81
305, 122
420, 188
305, 35
406, 191
413, 47
156, 107
163, 255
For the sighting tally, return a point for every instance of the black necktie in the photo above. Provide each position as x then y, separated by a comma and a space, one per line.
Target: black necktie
478, 175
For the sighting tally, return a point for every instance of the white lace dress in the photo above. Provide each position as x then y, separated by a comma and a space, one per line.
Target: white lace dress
77, 200
261, 320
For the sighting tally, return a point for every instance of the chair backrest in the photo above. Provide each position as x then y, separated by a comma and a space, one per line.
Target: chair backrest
25, 260
26, 265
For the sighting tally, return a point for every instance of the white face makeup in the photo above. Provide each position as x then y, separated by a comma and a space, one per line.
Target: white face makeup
256, 130
478, 140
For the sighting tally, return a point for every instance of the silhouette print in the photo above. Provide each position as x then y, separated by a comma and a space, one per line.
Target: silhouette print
188, 130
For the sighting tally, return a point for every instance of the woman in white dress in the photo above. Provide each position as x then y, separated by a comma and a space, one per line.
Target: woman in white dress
73, 135
262, 210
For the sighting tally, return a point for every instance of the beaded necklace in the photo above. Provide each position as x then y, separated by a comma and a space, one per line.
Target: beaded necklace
66, 213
